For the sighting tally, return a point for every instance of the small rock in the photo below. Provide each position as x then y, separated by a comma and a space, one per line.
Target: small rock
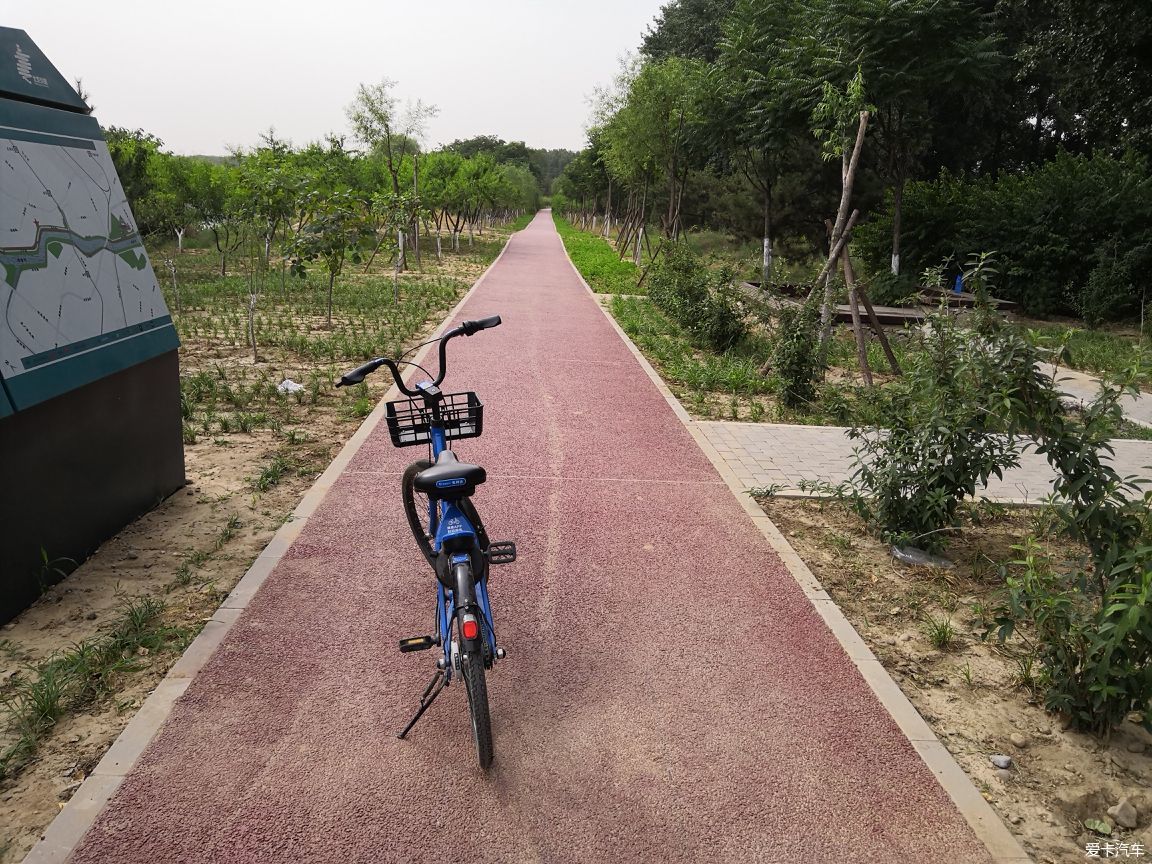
74, 739
68, 791
7, 796
91, 616
907, 637
1136, 746
131, 556
895, 610
1003, 774
1124, 813
1015, 818
1018, 740
1001, 761
1136, 717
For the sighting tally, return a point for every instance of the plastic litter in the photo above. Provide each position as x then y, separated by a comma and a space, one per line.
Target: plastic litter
920, 558
289, 386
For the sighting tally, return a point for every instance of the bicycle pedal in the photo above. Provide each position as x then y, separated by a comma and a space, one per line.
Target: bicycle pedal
501, 552
416, 643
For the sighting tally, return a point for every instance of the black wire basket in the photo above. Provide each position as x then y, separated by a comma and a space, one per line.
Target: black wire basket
409, 420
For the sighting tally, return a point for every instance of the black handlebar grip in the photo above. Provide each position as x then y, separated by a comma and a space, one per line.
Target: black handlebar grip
357, 375
470, 327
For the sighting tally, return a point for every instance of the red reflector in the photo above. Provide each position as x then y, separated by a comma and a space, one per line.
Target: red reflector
470, 629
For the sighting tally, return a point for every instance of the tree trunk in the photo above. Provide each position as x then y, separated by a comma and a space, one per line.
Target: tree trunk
767, 260
839, 231
897, 206
180, 240
252, 298
401, 259
640, 226
437, 242
857, 325
331, 282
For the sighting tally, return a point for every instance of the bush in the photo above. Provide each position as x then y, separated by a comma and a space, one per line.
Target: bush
1053, 226
1094, 648
796, 354
943, 442
696, 298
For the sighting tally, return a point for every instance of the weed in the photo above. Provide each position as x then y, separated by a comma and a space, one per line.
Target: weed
967, 675
940, 632
769, 491
272, 473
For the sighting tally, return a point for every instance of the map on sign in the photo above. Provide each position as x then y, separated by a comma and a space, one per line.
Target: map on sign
79, 298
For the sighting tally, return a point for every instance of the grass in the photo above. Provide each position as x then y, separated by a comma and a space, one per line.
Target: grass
598, 262
72, 680
272, 473
1098, 352
940, 632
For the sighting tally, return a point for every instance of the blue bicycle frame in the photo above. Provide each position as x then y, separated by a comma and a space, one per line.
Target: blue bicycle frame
446, 521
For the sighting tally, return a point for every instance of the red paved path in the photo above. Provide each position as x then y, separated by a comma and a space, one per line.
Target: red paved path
670, 695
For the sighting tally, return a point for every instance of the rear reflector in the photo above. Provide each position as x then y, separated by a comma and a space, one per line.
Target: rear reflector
470, 628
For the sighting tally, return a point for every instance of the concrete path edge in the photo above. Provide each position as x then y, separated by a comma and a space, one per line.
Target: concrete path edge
66, 831
1002, 845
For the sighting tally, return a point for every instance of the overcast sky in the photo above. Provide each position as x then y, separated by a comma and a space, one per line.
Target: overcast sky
209, 74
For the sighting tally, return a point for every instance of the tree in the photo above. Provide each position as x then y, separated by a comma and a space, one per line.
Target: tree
132, 152
687, 28
753, 108
338, 231
217, 202
269, 186
912, 53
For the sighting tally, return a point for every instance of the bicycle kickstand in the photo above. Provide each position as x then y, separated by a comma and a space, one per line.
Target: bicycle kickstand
426, 700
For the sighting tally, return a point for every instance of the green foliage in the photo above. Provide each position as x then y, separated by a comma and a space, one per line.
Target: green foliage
598, 262
698, 298
796, 354
1054, 227
1094, 645
943, 441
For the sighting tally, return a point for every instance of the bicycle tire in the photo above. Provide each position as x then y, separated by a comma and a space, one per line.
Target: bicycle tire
472, 671
416, 508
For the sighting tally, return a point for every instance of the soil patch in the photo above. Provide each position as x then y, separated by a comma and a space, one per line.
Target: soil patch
980, 698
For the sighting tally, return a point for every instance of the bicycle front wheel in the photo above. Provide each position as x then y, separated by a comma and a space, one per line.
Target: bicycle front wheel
472, 671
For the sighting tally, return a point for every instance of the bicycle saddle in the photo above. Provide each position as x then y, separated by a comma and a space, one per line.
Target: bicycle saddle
449, 478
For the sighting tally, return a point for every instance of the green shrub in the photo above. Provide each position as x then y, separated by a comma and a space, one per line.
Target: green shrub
796, 354
1094, 648
697, 298
678, 283
1053, 225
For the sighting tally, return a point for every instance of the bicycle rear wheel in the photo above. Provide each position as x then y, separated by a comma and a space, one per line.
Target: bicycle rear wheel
416, 508
472, 671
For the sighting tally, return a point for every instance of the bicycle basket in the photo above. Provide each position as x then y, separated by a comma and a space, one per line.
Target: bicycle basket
409, 419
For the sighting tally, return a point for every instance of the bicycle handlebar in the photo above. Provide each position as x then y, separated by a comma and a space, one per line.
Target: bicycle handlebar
466, 328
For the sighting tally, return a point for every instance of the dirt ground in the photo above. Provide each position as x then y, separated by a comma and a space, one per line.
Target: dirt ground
189, 553
972, 693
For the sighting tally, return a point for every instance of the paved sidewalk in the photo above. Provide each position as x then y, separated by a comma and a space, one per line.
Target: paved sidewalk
766, 454
670, 693
1083, 388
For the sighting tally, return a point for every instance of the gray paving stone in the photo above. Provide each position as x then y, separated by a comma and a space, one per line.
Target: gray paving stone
774, 454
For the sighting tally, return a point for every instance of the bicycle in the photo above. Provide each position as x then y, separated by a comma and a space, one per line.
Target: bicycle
437, 497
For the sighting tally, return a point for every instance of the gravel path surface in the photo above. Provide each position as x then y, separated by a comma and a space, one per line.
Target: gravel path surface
669, 693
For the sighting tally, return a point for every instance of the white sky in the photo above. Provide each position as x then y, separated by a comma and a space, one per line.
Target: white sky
208, 74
